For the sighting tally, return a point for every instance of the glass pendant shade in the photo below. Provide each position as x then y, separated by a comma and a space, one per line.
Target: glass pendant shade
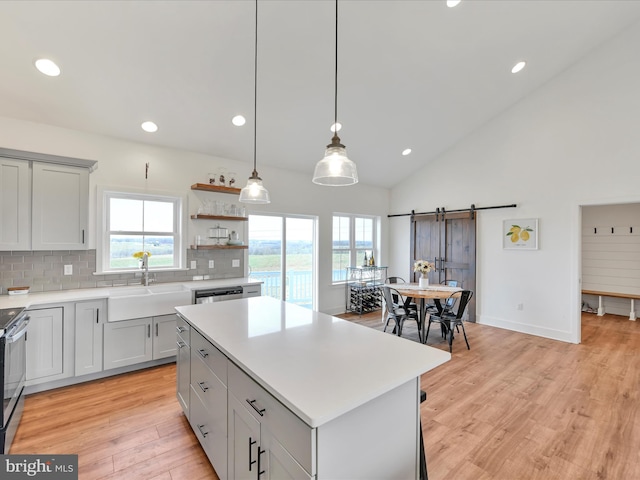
254, 191
335, 169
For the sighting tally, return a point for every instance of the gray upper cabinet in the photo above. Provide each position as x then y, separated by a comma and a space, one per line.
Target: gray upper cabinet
60, 211
15, 204
43, 201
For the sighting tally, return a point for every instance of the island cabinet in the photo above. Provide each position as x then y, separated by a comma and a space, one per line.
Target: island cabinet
183, 364
305, 399
264, 436
208, 409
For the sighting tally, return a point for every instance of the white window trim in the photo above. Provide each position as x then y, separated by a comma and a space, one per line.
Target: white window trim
104, 193
353, 251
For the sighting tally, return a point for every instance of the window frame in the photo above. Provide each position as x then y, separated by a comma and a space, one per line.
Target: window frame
353, 249
179, 202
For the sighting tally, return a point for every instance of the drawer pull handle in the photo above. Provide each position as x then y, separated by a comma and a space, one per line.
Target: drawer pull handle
203, 353
181, 329
181, 344
204, 434
259, 410
203, 386
251, 443
260, 472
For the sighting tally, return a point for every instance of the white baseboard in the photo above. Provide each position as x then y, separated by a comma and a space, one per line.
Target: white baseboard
550, 333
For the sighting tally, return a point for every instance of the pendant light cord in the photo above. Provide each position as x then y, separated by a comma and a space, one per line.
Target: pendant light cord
335, 98
255, 96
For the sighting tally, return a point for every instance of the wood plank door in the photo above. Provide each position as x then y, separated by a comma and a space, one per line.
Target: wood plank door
448, 240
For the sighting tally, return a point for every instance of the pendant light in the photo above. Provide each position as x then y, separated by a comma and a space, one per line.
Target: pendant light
254, 191
335, 169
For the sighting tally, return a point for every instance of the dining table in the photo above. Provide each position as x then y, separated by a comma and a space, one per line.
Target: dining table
413, 291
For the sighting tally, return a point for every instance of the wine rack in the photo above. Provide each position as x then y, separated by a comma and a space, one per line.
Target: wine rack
363, 292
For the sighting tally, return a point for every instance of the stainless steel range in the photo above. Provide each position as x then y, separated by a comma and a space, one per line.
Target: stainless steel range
13, 361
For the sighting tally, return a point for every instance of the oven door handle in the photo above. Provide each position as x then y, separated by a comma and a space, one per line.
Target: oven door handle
15, 336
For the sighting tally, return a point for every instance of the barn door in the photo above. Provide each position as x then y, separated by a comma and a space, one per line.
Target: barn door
449, 241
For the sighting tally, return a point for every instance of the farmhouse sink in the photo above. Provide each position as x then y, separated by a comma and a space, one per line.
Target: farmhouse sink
125, 303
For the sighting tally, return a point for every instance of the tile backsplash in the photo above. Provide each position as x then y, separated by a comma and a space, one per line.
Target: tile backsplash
43, 271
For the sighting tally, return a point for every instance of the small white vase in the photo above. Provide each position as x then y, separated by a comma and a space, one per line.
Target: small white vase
423, 281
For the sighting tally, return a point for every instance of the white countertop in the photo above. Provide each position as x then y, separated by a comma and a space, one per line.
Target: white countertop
30, 300
317, 365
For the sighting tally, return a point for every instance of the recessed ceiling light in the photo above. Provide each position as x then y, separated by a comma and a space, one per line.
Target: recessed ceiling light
48, 67
238, 120
406, 151
518, 66
453, 3
149, 127
336, 127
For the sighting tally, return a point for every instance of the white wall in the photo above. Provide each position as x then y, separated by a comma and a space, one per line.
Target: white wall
573, 142
122, 163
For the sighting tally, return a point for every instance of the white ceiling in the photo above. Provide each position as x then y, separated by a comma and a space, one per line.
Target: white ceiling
412, 74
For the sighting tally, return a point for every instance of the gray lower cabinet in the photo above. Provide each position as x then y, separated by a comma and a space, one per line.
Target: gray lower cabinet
208, 411
128, 342
242, 428
164, 336
45, 344
264, 436
89, 319
183, 364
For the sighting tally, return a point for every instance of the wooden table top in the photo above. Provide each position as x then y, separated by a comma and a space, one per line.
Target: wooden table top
413, 290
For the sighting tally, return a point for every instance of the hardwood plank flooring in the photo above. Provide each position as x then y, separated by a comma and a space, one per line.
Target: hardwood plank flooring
513, 407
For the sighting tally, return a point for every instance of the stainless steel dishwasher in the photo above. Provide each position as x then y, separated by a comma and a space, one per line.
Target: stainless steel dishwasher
219, 294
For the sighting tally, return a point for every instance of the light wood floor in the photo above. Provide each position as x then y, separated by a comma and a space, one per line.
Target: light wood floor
513, 407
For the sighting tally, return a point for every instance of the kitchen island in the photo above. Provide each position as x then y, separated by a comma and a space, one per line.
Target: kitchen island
304, 394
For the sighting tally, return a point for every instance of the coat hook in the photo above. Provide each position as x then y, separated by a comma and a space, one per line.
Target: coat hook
146, 170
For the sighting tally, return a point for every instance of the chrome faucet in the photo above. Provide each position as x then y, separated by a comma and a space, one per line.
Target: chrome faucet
144, 266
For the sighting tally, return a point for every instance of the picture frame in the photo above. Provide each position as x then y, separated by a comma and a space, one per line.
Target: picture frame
520, 234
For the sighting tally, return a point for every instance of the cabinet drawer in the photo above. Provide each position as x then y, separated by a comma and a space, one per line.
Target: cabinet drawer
211, 431
296, 436
183, 329
207, 385
212, 357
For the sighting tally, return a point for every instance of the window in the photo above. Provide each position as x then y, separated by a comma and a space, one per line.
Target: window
137, 222
353, 237
282, 254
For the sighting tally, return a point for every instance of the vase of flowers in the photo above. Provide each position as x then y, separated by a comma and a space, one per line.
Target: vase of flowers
423, 268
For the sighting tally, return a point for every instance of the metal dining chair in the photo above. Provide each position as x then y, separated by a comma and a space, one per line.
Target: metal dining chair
398, 311
450, 320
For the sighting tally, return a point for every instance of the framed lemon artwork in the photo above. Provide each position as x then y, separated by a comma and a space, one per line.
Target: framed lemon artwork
520, 234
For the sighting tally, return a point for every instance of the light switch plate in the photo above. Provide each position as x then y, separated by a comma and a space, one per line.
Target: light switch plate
68, 269
211, 264
193, 265
235, 262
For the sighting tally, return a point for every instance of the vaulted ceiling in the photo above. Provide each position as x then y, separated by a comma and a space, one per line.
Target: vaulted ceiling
412, 74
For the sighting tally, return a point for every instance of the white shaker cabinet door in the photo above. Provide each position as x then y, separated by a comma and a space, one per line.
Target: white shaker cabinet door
89, 320
164, 336
127, 342
44, 343
15, 204
60, 207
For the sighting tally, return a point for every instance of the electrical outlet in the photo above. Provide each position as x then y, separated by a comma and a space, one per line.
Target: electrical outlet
211, 264
193, 265
68, 269
235, 262
520, 306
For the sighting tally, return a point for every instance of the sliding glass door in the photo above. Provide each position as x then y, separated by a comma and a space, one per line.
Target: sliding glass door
282, 256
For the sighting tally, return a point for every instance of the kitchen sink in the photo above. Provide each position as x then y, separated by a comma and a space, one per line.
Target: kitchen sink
125, 303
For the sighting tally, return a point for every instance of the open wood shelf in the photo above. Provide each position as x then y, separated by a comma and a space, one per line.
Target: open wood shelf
219, 247
215, 188
218, 217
